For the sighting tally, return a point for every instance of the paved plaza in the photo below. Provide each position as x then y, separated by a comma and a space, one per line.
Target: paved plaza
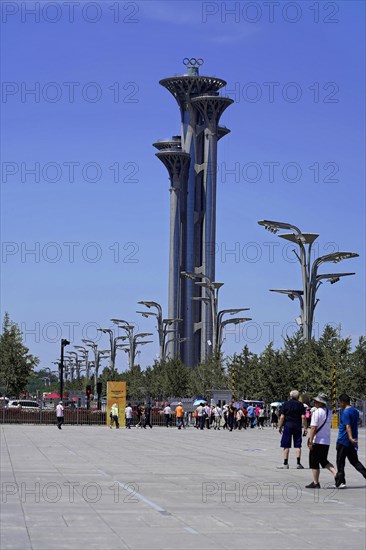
94, 488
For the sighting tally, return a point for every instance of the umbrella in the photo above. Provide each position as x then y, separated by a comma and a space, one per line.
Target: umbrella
277, 404
199, 401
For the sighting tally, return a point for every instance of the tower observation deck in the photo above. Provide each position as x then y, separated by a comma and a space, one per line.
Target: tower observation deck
191, 161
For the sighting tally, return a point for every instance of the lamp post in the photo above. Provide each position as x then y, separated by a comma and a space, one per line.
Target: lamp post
98, 355
129, 329
213, 288
113, 346
64, 343
162, 326
178, 340
235, 321
311, 281
85, 352
77, 363
159, 318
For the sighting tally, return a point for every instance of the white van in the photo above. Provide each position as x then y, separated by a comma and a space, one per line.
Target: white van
25, 404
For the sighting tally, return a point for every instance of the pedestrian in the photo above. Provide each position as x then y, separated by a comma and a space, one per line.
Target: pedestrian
201, 418
245, 418
60, 415
179, 413
207, 416
195, 416
347, 441
128, 415
147, 415
251, 415
292, 419
257, 409
319, 440
217, 412
139, 413
230, 416
225, 414
142, 417
261, 416
274, 418
168, 415
239, 418
114, 416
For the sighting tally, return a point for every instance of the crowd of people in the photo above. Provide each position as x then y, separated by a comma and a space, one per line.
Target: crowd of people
231, 417
293, 421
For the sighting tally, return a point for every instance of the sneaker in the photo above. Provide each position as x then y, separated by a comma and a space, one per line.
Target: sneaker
283, 467
313, 485
342, 486
300, 467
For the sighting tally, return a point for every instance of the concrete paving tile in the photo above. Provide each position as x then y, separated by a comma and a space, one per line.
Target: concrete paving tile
181, 508
14, 538
179, 540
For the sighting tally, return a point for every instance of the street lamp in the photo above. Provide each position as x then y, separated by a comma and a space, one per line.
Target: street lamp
98, 355
77, 363
310, 278
133, 342
235, 321
64, 343
162, 326
213, 288
85, 352
113, 345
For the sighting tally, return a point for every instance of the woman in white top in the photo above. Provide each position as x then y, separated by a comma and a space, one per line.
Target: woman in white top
319, 440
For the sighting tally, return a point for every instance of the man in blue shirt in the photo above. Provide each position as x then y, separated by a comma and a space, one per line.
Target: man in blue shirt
347, 441
251, 415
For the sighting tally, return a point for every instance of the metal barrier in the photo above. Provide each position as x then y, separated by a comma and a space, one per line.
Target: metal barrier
76, 417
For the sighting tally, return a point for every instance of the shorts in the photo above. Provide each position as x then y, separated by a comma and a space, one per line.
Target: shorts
290, 433
318, 456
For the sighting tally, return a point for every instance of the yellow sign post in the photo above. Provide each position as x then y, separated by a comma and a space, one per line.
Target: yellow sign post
116, 394
334, 399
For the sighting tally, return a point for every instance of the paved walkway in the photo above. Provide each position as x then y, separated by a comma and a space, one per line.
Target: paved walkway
95, 488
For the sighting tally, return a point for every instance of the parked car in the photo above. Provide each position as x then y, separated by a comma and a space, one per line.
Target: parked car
24, 404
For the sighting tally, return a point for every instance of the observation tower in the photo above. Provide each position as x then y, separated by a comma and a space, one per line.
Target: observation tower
191, 161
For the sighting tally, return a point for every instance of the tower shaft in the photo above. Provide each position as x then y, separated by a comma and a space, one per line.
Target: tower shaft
193, 207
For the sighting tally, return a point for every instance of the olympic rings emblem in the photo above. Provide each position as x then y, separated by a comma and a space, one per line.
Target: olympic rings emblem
192, 62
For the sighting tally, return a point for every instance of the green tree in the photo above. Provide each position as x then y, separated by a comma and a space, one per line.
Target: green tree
354, 380
16, 363
42, 381
209, 375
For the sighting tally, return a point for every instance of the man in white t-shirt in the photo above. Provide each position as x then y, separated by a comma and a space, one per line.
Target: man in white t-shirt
60, 415
128, 414
319, 440
217, 416
168, 415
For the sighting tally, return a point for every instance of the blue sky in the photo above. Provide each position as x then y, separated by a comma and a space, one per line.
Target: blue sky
95, 210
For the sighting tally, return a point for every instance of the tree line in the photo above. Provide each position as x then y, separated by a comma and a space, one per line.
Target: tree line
268, 376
